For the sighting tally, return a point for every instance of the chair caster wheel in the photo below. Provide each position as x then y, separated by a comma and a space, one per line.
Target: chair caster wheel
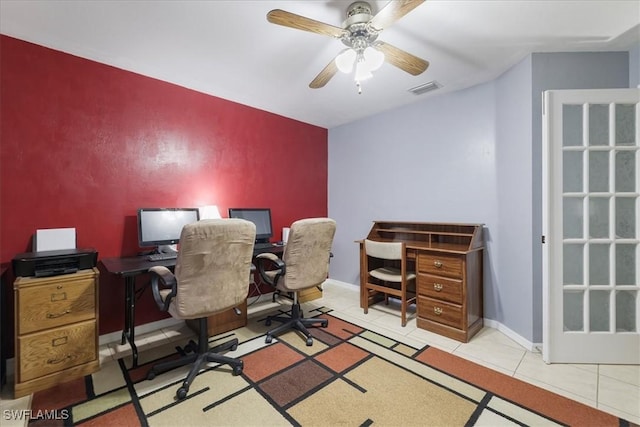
324, 324
234, 347
267, 322
151, 375
309, 342
181, 393
268, 339
190, 347
237, 370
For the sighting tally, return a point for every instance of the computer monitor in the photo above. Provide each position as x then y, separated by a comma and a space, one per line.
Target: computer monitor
261, 217
161, 227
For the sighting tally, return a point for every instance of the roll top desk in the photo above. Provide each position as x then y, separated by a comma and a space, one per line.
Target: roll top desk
447, 258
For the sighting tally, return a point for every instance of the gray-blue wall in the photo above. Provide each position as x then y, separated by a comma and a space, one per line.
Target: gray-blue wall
467, 156
584, 70
634, 66
514, 277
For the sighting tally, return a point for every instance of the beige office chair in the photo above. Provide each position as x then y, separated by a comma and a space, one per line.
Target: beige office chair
304, 265
386, 269
211, 275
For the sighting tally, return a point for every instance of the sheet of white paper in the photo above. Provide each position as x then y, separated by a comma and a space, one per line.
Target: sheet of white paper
53, 239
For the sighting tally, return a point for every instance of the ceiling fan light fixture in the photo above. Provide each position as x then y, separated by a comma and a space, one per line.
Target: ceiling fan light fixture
374, 58
363, 72
345, 60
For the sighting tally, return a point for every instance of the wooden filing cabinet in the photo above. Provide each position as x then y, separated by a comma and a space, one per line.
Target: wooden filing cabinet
224, 321
56, 329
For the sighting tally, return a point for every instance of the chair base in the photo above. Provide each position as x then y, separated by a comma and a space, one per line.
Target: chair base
199, 359
296, 321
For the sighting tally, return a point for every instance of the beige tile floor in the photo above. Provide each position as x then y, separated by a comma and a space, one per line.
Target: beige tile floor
611, 388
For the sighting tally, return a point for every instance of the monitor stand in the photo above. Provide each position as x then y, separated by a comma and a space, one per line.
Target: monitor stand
167, 249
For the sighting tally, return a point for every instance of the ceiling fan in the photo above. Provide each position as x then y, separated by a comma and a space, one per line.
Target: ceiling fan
359, 32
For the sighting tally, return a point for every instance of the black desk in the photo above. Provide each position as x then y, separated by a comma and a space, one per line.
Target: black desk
131, 267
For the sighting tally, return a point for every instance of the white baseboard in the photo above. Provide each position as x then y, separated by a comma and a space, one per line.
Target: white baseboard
346, 285
140, 330
534, 347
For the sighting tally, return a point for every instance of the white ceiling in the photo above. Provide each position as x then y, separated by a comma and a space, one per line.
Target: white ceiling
228, 49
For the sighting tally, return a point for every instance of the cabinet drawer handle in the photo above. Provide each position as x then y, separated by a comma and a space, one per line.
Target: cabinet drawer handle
59, 341
437, 263
54, 316
437, 287
61, 359
59, 297
437, 311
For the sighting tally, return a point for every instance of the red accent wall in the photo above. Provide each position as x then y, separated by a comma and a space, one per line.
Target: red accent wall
85, 145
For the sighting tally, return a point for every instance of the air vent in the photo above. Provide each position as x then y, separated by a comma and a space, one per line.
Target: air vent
424, 88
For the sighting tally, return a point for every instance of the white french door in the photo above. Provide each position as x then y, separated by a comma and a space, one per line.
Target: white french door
591, 223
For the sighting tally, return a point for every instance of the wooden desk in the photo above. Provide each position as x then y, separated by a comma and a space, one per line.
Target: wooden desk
447, 259
128, 268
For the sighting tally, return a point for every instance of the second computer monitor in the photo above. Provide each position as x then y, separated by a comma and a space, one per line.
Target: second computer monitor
261, 217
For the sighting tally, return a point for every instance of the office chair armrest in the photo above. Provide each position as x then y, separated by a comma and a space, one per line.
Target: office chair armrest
270, 262
162, 274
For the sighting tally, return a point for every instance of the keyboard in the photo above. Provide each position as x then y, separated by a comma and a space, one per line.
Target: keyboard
162, 256
262, 245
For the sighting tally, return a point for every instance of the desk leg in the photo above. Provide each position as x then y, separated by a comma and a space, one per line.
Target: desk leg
128, 334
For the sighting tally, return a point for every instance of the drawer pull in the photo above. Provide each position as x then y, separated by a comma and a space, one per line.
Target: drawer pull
59, 297
61, 359
55, 316
437, 287
437, 311
58, 341
437, 263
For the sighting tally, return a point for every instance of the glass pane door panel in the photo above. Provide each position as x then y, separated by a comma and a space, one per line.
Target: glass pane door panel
625, 171
599, 267
626, 311
599, 311
572, 125
625, 124
573, 217
598, 217
573, 311
599, 124
573, 264
572, 172
599, 171
626, 217
626, 259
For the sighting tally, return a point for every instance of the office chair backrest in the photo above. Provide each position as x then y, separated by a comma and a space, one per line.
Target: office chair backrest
213, 266
307, 252
384, 250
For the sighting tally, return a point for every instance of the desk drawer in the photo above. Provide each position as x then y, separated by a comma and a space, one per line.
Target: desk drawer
55, 350
48, 306
440, 265
440, 288
440, 311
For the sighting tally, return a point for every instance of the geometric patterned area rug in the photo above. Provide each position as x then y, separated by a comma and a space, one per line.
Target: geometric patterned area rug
349, 377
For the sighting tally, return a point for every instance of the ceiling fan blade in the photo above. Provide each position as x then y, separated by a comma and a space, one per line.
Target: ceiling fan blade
325, 75
393, 11
288, 19
401, 59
